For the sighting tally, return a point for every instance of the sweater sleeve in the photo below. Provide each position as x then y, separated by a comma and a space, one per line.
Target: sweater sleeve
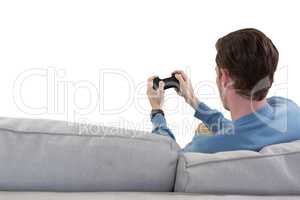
160, 126
213, 119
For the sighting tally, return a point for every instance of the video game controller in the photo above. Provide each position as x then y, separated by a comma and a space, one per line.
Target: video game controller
170, 82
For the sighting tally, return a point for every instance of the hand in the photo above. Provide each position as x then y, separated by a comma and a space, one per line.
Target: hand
156, 97
186, 89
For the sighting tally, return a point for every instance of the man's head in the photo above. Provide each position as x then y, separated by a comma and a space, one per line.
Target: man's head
246, 62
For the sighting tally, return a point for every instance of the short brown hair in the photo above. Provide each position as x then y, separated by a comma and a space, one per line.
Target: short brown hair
251, 59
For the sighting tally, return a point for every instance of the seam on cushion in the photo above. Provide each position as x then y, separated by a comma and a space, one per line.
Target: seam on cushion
172, 144
175, 174
187, 174
77, 135
242, 158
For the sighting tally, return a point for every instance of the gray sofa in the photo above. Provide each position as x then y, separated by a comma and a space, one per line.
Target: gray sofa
47, 159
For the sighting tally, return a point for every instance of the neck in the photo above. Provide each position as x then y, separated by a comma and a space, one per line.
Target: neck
240, 106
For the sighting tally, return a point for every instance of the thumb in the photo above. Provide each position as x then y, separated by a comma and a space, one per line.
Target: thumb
161, 87
179, 78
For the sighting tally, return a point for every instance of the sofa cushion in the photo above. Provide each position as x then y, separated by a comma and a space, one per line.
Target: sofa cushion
47, 155
272, 171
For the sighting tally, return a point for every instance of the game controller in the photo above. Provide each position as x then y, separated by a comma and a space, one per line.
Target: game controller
170, 82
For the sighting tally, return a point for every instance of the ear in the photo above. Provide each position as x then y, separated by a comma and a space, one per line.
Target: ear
225, 78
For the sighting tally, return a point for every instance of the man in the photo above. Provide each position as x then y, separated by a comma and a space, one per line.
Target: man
246, 62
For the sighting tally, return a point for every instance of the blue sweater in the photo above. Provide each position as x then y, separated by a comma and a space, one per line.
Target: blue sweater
277, 122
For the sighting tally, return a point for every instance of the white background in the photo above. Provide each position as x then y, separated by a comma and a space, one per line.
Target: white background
100, 54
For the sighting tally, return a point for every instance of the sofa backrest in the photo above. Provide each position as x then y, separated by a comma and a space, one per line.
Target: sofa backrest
47, 155
275, 170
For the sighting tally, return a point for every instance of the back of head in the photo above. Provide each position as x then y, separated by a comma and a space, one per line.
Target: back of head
251, 59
